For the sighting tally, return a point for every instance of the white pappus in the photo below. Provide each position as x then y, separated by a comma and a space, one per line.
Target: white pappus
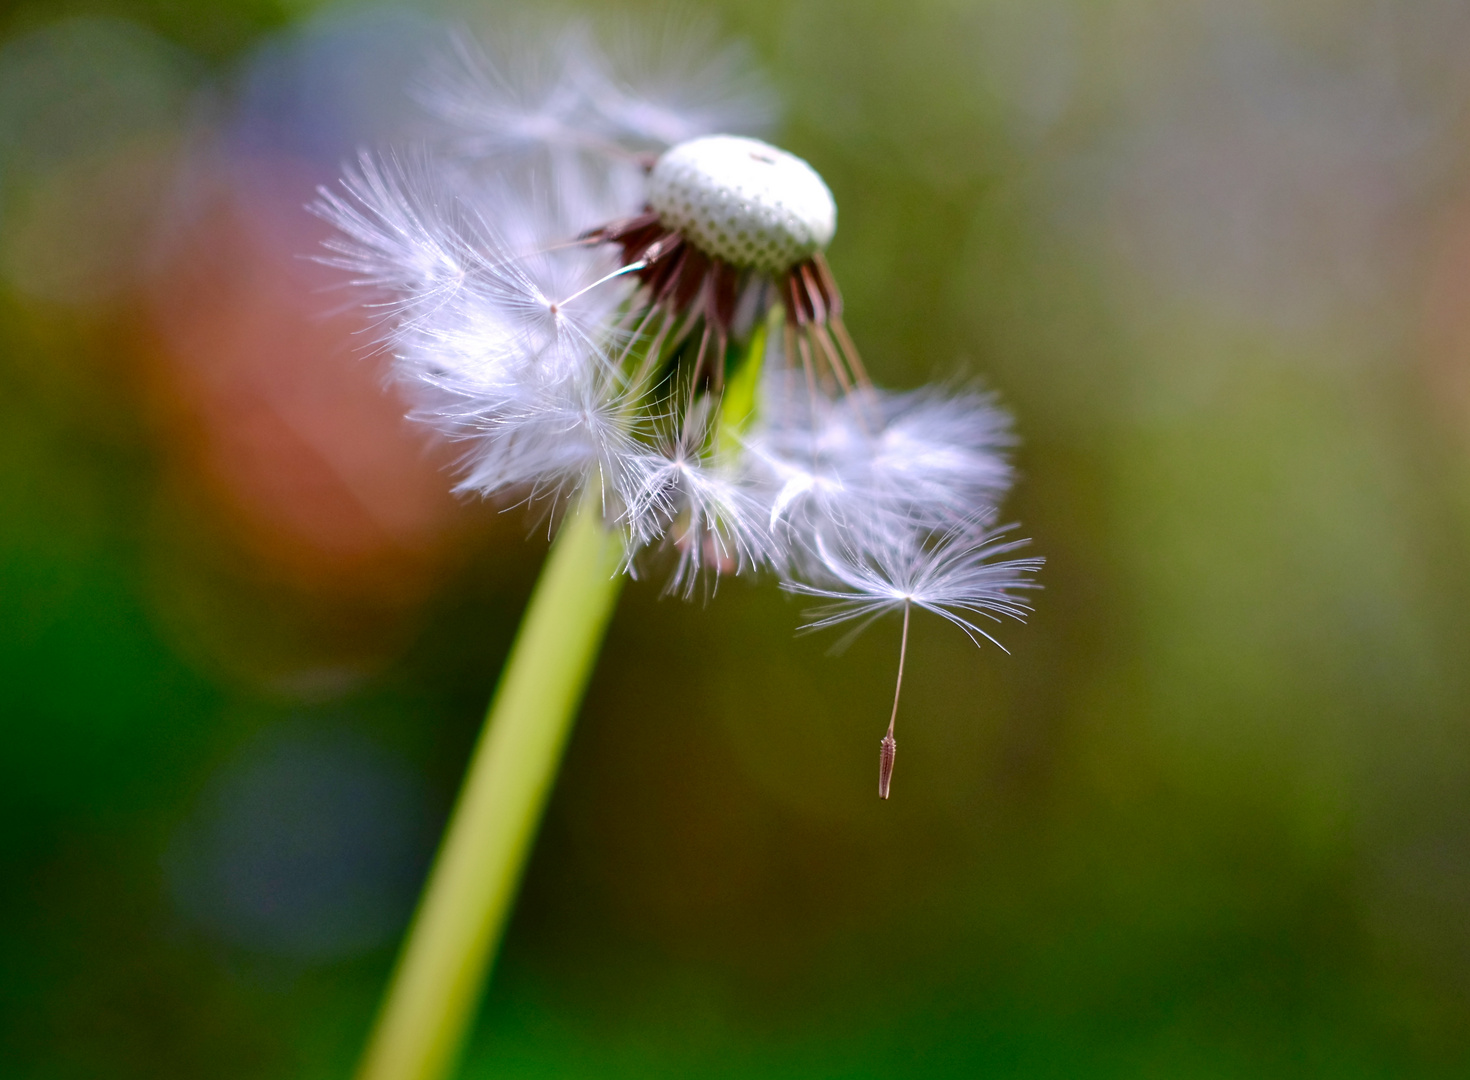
590, 288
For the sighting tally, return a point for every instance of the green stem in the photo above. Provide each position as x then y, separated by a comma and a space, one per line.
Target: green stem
451, 945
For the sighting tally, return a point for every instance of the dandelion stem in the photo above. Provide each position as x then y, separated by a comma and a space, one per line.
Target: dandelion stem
462, 914
889, 746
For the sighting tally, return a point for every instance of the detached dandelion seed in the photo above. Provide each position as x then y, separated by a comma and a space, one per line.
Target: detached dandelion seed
960, 575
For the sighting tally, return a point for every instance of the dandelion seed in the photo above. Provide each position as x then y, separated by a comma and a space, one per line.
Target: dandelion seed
960, 576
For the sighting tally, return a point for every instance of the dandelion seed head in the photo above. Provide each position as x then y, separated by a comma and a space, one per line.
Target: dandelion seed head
559, 356
573, 287
744, 201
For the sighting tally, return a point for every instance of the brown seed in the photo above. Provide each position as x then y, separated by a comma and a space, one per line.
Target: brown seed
888, 748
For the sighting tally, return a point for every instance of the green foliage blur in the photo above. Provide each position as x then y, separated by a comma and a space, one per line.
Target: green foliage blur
1210, 817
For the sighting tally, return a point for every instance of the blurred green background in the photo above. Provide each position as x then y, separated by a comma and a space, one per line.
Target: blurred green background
1210, 818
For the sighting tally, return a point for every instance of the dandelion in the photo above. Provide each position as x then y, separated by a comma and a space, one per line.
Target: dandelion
623, 313
957, 576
